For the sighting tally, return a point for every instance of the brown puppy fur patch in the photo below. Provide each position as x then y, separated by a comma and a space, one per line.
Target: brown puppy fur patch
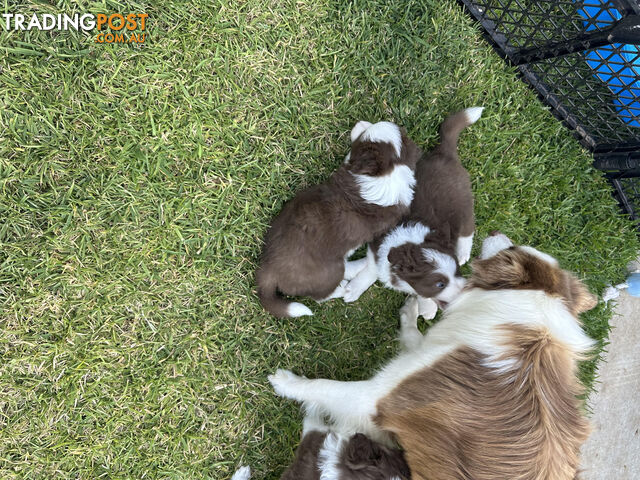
360, 459
443, 198
364, 459
407, 262
305, 464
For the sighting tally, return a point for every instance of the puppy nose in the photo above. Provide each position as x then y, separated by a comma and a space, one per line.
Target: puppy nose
493, 233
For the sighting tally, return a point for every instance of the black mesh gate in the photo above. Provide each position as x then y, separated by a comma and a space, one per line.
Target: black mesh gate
583, 58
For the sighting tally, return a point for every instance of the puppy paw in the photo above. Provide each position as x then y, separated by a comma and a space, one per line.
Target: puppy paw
427, 308
409, 312
284, 382
351, 293
463, 258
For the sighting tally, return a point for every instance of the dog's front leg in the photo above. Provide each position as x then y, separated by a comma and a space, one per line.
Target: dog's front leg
351, 405
427, 308
463, 249
410, 337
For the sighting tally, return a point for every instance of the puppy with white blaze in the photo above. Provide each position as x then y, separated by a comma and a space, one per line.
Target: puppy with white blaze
327, 455
421, 256
308, 243
490, 392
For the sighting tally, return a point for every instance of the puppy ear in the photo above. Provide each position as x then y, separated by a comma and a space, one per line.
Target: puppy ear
367, 158
406, 259
360, 452
373, 460
580, 298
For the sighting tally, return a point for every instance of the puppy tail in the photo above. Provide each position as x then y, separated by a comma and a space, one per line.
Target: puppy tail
454, 124
243, 473
274, 303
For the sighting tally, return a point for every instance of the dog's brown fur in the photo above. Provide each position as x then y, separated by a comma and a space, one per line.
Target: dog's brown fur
306, 245
459, 419
517, 269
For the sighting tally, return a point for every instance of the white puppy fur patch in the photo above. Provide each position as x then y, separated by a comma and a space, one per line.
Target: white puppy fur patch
296, 309
352, 268
337, 293
329, 457
463, 249
357, 130
243, 473
410, 337
493, 244
473, 114
366, 276
313, 422
541, 255
393, 188
386, 132
427, 308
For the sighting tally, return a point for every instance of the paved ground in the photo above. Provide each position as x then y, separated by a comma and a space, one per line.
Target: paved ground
613, 450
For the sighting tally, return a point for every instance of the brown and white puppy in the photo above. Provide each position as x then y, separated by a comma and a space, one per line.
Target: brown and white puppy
307, 245
490, 392
326, 455
421, 256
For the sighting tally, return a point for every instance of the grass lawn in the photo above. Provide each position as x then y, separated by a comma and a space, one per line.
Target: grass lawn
136, 184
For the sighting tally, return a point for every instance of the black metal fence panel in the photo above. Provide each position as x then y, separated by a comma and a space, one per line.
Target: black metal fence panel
583, 58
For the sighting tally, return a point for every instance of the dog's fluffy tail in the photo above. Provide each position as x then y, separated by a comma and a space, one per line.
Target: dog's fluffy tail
454, 124
243, 473
274, 303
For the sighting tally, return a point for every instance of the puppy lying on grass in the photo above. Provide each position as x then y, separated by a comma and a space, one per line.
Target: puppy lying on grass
308, 243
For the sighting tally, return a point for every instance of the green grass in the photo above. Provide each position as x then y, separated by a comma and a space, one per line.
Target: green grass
136, 184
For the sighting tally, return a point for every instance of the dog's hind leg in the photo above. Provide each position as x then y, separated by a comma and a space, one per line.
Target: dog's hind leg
337, 293
350, 405
363, 280
352, 268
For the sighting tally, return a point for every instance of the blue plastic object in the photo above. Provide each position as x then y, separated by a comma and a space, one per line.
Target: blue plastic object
634, 284
618, 65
